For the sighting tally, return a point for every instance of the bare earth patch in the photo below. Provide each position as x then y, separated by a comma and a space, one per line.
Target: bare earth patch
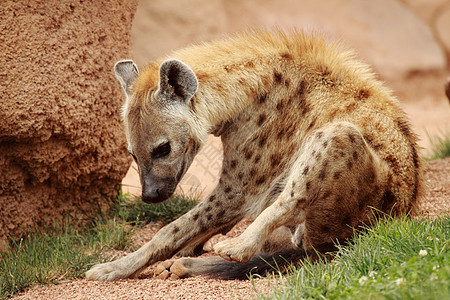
436, 202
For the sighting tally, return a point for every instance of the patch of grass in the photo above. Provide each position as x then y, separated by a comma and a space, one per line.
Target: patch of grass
66, 251
440, 146
397, 259
47, 257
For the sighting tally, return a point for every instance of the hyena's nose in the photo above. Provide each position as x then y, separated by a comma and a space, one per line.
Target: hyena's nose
151, 196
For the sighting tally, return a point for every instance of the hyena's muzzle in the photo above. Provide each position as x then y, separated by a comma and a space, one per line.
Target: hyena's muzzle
155, 189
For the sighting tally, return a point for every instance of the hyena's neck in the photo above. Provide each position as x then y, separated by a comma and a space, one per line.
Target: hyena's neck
229, 89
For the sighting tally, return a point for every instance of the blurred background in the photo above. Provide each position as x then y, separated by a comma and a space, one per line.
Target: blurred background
407, 42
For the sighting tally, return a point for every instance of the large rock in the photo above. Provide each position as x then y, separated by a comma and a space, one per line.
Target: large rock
62, 147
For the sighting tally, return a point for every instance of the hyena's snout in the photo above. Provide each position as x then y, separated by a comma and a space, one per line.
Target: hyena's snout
156, 190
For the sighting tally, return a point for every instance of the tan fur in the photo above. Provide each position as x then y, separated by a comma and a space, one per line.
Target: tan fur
311, 140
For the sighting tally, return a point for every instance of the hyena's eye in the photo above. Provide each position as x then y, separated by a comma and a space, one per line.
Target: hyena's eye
161, 151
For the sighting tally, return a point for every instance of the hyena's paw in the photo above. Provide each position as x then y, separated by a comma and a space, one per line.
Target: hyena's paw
173, 269
236, 249
107, 272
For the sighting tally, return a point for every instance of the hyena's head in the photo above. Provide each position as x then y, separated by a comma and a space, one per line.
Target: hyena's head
159, 120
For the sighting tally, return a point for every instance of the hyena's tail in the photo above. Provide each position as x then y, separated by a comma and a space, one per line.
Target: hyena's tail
262, 264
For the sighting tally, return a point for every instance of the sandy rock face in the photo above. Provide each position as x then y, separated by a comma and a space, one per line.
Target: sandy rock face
62, 145
386, 33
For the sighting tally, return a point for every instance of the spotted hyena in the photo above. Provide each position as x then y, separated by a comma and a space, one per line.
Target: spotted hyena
312, 142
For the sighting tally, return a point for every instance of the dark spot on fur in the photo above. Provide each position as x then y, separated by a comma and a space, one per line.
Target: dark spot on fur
287, 82
301, 89
260, 180
262, 140
325, 144
326, 194
304, 106
257, 158
195, 217
208, 208
293, 184
240, 175
311, 125
292, 194
286, 56
280, 105
281, 133
175, 230
249, 64
305, 170
209, 217
308, 185
349, 164
319, 135
227, 68
352, 138
227, 190
212, 198
261, 119
355, 155
363, 94
277, 77
262, 98
322, 174
233, 164
290, 132
337, 175
275, 160
248, 154
230, 196
252, 172
318, 155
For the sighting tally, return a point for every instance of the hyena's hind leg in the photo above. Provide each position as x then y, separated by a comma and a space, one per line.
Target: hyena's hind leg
345, 188
331, 186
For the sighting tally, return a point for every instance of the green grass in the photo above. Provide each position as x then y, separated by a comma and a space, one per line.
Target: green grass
67, 251
397, 259
440, 146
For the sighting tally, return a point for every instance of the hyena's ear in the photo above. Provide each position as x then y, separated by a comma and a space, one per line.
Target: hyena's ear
177, 82
126, 72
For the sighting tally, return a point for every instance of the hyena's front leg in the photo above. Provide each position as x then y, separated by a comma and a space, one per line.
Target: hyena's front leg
196, 226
